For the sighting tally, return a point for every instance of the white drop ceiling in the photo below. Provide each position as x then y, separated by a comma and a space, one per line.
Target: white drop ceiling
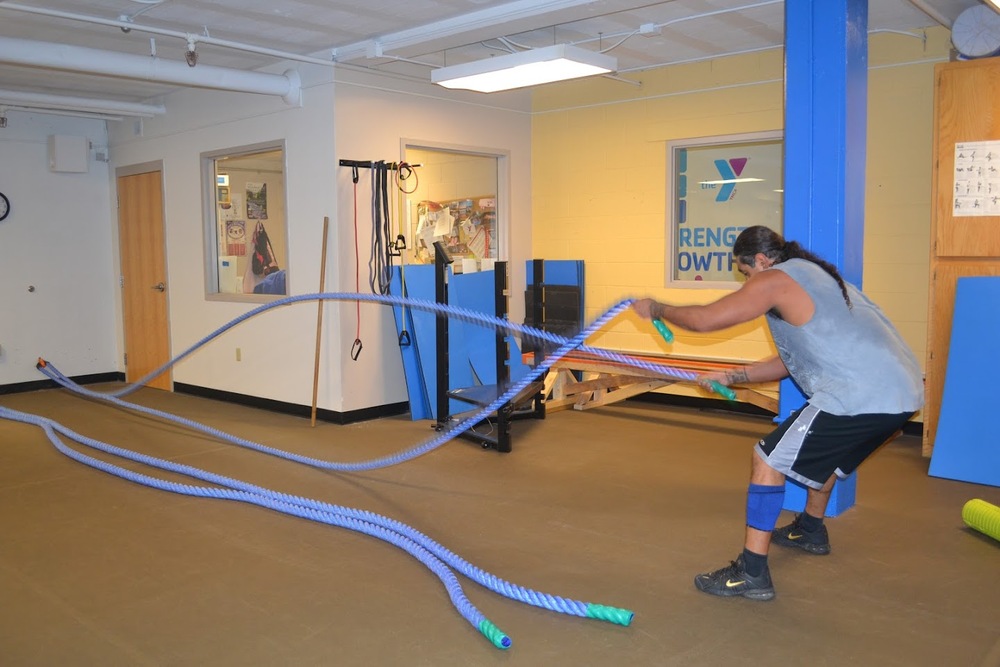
403, 38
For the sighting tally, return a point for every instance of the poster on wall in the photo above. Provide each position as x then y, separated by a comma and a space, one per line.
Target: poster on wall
720, 188
236, 237
257, 201
977, 179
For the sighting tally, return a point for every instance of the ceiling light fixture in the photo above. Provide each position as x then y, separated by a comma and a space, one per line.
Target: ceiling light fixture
526, 68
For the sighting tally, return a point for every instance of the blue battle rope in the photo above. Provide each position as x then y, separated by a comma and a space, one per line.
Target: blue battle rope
463, 314
447, 577
382, 527
566, 346
429, 552
459, 427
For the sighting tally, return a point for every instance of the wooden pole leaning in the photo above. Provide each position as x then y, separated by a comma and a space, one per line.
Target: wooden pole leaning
319, 320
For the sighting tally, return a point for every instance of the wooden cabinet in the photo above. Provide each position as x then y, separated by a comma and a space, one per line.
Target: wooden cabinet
966, 109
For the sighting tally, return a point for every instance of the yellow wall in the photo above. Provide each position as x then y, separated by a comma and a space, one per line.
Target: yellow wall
600, 174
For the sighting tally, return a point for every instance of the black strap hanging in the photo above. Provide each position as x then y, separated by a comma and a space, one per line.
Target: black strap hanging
380, 260
403, 172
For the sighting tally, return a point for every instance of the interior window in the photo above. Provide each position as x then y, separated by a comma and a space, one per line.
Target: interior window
720, 186
454, 201
246, 232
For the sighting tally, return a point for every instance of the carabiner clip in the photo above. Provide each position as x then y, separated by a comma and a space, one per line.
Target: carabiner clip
356, 349
404, 338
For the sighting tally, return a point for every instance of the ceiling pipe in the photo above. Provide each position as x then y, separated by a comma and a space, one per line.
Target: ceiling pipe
95, 115
14, 51
128, 26
87, 104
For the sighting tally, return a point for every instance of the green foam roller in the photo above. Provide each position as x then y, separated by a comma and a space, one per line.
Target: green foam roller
982, 516
610, 614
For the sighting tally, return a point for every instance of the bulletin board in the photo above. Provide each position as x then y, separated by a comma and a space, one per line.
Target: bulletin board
467, 226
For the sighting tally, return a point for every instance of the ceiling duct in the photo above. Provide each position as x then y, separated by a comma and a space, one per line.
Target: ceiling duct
64, 57
84, 104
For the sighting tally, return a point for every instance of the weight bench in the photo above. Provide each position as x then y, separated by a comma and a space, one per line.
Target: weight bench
585, 381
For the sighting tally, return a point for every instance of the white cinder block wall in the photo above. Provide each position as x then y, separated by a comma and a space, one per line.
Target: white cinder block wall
57, 269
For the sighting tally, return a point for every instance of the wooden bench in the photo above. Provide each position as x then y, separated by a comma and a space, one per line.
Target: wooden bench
586, 381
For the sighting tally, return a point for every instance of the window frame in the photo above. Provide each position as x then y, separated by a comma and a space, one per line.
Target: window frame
676, 186
210, 221
502, 206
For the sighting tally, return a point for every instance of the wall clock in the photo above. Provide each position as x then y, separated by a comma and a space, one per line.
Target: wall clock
976, 32
4, 206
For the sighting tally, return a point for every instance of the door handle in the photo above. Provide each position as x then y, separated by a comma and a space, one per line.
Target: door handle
160, 287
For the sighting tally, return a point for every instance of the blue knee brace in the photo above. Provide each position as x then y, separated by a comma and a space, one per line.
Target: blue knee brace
764, 505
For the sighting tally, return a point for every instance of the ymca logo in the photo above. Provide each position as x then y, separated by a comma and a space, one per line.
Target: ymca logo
729, 171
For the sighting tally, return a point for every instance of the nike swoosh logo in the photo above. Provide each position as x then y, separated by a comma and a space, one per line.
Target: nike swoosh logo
730, 583
794, 536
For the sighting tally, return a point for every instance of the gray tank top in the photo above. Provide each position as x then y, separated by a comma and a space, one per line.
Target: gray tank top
848, 361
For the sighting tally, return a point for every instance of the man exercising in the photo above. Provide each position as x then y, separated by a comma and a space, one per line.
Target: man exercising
862, 382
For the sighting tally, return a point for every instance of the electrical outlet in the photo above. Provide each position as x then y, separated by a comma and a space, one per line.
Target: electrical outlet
239, 354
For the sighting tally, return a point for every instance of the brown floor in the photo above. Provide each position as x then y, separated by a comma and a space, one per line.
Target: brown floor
620, 506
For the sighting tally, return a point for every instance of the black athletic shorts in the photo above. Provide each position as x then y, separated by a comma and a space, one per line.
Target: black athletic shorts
811, 444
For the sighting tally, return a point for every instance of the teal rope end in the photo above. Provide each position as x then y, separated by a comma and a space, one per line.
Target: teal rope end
723, 390
494, 634
667, 334
610, 614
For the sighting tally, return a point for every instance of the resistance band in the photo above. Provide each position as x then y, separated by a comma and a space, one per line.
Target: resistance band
357, 345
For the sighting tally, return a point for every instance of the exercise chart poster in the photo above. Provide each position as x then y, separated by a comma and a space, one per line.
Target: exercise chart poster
977, 179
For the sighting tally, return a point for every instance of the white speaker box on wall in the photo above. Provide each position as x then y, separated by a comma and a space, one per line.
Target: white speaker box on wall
67, 153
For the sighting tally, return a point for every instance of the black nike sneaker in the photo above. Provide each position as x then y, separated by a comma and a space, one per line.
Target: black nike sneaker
733, 580
816, 542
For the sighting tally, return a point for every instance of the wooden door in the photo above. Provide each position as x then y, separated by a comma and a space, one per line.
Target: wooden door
966, 97
144, 277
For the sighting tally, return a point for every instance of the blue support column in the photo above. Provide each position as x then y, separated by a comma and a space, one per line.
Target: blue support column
826, 97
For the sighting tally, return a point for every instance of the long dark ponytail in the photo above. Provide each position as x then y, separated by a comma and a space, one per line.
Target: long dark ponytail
760, 239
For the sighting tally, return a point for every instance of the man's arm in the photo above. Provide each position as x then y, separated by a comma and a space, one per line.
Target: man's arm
767, 370
759, 294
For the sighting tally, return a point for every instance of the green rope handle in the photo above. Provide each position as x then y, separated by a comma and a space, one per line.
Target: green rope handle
718, 388
610, 614
723, 390
494, 634
667, 334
